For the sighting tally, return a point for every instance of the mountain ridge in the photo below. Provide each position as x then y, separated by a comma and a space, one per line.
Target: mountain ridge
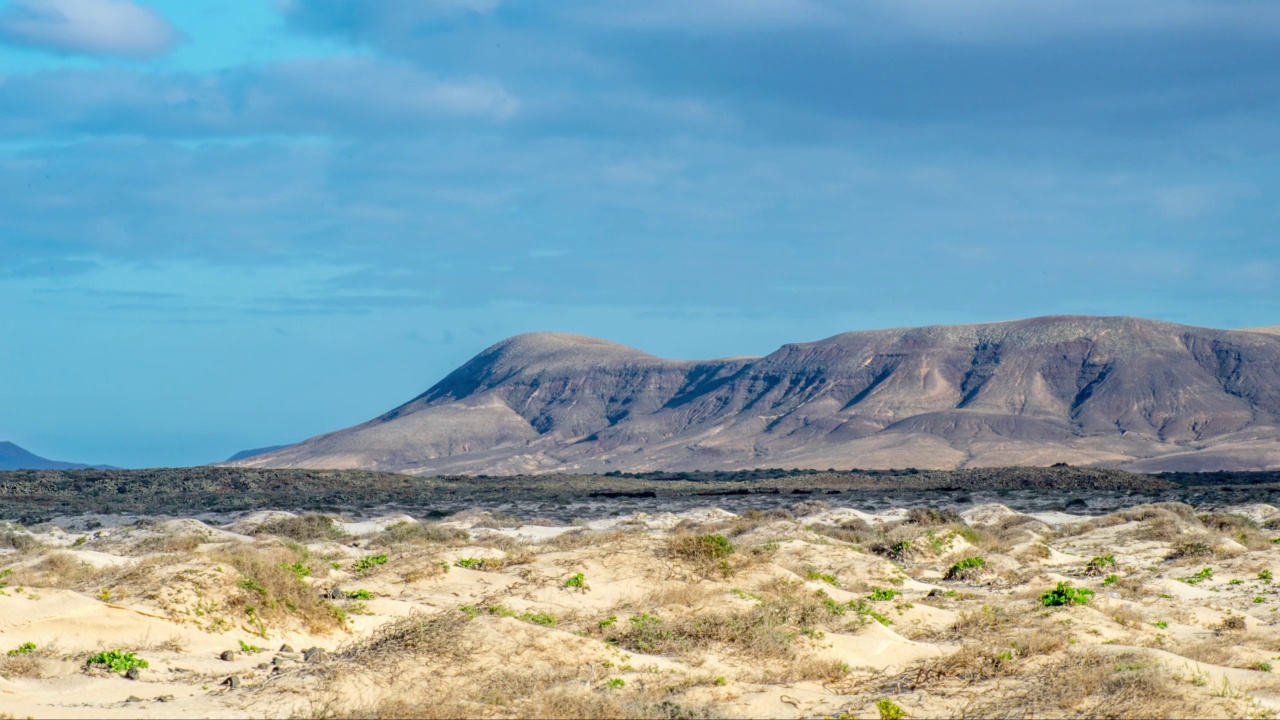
1113, 391
13, 457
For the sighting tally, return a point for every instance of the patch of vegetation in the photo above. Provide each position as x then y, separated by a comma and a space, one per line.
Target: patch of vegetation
1066, 594
616, 683
359, 595
1199, 577
701, 547
1265, 576
881, 594
1161, 624
117, 661
246, 647
305, 528
889, 710
1262, 665
577, 580
1098, 565
300, 570
368, 562
966, 568
827, 578
25, 648
1110, 580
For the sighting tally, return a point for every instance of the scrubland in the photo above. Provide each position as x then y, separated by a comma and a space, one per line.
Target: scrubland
802, 610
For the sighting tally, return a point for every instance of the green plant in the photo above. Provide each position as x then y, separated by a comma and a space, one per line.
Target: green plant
889, 710
246, 647
576, 581
360, 595
1235, 581
1259, 599
116, 660
539, 618
298, 569
1096, 565
1262, 665
827, 578
607, 621
105, 595
1265, 576
1110, 580
616, 683
965, 568
368, 562
25, 648
701, 547
1204, 574
721, 680
1161, 624
879, 594
1065, 594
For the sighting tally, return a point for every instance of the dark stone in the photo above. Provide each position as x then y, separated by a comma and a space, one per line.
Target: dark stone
314, 654
286, 648
228, 655
232, 682
132, 673
164, 698
133, 698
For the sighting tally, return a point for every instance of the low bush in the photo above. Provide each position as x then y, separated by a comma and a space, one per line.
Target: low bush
966, 569
117, 661
1066, 594
304, 528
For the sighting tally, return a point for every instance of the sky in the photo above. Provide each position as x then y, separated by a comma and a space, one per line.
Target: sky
233, 223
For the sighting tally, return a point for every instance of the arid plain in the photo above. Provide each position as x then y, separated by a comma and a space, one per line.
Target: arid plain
1101, 601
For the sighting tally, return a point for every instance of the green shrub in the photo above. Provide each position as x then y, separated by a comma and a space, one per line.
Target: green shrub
1065, 594
827, 578
701, 547
368, 562
1204, 574
879, 594
889, 710
616, 683
1110, 580
116, 660
25, 648
966, 568
1262, 665
1097, 565
300, 570
306, 528
1265, 576
576, 581
359, 595
246, 647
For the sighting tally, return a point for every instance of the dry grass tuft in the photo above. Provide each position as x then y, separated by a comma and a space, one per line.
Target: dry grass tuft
304, 528
269, 589
407, 533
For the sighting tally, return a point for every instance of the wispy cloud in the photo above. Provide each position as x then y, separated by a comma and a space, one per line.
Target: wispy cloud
114, 28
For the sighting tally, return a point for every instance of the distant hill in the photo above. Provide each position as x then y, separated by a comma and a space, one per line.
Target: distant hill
1107, 391
246, 454
13, 457
1273, 330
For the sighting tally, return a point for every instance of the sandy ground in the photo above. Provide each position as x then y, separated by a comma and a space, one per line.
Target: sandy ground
803, 612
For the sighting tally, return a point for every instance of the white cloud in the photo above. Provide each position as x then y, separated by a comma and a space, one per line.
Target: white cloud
117, 28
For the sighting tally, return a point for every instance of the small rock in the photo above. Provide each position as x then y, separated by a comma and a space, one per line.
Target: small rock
132, 673
314, 654
264, 666
935, 593
164, 698
286, 648
133, 698
228, 655
232, 682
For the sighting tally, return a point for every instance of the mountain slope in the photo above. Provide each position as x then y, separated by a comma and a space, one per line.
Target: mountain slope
13, 457
246, 454
1084, 390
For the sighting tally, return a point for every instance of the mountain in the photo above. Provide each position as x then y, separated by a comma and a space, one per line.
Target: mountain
1111, 391
246, 454
13, 457
1273, 330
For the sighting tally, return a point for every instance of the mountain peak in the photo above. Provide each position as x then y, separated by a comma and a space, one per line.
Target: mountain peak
1080, 389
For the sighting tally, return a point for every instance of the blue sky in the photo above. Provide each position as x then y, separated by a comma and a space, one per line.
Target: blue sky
226, 224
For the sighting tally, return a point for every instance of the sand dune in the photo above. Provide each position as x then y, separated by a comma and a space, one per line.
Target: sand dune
802, 610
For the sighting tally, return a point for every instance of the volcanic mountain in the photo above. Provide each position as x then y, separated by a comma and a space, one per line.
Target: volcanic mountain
1112, 391
13, 457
